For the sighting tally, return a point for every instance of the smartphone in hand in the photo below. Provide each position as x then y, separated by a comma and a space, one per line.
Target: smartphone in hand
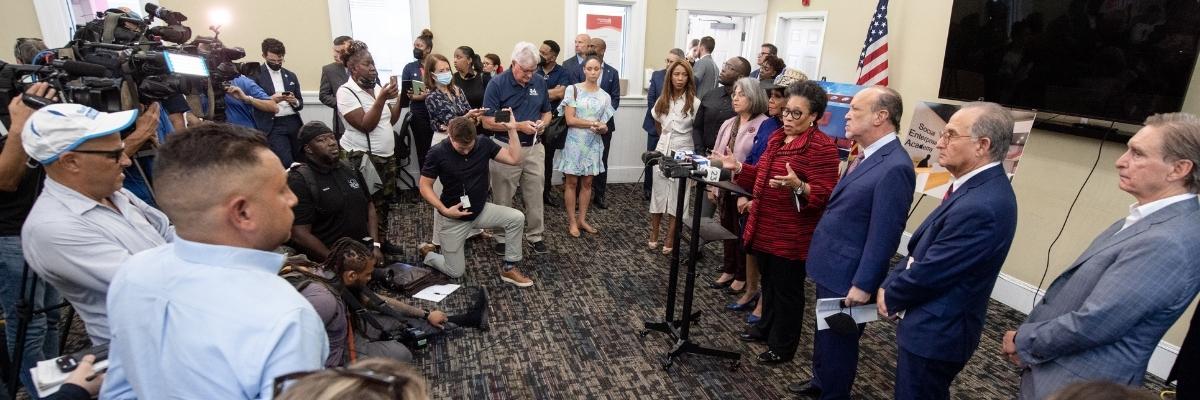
286, 93
503, 116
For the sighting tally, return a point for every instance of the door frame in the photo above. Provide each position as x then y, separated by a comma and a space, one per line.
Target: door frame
755, 13
781, 33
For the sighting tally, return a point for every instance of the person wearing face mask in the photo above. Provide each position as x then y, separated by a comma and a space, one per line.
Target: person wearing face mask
369, 110
557, 79
445, 102
422, 130
282, 126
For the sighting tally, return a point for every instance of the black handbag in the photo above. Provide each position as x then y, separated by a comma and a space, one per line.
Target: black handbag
555, 134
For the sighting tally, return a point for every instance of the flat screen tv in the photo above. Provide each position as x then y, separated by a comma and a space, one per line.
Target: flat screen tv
1116, 60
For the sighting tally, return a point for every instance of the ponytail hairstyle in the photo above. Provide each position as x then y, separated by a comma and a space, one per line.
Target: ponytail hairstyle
476, 62
495, 61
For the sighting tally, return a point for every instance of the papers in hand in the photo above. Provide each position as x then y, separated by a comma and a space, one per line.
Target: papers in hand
436, 293
861, 314
48, 378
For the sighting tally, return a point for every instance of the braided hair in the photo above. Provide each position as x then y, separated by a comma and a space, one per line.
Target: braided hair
354, 49
347, 255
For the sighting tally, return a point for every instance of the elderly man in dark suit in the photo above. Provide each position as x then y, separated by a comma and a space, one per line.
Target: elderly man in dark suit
1102, 318
859, 232
333, 76
648, 124
942, 289
282, 126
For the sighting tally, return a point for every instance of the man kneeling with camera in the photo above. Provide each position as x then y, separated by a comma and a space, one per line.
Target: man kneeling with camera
361, 323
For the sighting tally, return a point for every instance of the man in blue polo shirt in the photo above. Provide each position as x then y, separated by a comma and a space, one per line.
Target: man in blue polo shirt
557, 79
519, 89
243, 96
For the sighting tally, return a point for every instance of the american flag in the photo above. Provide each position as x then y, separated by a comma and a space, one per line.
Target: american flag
873, 61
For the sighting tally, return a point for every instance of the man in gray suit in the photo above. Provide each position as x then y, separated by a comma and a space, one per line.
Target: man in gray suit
333, 76
705, 70
1102, 318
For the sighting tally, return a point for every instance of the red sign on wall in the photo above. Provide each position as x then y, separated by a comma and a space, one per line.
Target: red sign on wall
603, 21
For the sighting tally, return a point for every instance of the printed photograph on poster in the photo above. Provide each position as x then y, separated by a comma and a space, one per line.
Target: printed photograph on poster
833, 123
928, 122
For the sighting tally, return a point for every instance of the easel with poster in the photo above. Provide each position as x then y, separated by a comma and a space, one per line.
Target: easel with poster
928, 122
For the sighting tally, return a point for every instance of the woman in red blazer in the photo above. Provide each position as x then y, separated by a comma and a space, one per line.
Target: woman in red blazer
791, 183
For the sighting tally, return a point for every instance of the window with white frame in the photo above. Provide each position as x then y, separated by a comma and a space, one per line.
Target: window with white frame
608, 22
622, 25
385, 26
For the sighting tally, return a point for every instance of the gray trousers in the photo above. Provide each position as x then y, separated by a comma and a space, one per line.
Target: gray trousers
365, 348
505, 179
454, 233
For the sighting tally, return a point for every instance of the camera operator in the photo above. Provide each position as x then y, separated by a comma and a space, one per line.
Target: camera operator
219, 321
281, 127
375, 332
243, 96
19, 186
84, 225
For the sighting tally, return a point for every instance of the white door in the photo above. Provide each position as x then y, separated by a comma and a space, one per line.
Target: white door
729, 32
800, 43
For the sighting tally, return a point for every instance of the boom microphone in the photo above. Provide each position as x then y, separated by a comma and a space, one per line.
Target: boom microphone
80, 68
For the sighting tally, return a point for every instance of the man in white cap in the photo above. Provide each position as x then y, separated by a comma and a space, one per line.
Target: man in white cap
84, 225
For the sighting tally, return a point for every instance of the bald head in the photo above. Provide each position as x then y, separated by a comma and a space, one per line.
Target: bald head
582, 41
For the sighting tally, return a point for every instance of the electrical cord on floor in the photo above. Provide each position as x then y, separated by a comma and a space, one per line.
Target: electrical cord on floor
1062, 228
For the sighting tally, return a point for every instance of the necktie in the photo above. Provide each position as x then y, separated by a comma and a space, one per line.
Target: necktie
854, 163
949, 192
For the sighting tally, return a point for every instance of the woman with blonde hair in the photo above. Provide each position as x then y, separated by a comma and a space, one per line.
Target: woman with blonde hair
377, 378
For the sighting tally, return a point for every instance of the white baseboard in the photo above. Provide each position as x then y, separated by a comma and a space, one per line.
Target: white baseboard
1021, 296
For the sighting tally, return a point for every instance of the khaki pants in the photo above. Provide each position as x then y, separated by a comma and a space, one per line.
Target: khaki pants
454, 233
505, 179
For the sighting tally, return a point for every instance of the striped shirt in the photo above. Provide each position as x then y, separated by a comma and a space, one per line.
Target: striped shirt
774, 225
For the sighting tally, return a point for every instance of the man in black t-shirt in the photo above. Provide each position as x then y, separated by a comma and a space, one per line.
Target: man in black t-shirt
332, 199
461, 162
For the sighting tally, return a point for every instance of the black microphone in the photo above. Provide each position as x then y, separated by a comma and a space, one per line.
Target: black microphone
651, 157
79, 68
713, 174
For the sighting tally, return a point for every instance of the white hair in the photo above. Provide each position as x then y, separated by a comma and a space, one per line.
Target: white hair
525, 54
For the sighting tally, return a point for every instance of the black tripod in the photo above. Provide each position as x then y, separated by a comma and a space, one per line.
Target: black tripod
709, 230
25, 314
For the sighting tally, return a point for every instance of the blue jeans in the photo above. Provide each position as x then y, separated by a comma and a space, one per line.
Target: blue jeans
41, 340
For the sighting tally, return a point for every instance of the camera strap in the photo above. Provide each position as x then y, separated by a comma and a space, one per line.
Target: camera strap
357, 308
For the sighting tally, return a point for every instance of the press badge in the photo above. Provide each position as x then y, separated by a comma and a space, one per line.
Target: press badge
465, 201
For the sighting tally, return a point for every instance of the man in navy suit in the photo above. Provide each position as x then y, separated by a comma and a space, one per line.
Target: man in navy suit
1104, 316
648, 124
859, 233
282, 126
610, 82
941, 291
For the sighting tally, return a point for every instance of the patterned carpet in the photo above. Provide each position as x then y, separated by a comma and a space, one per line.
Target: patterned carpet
574, 334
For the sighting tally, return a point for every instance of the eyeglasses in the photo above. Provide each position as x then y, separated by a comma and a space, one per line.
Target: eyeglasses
793, 114
395, 384
114, 154
950, 137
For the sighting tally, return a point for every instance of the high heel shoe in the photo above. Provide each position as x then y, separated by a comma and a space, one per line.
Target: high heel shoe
720, 285
749, 305
752, 319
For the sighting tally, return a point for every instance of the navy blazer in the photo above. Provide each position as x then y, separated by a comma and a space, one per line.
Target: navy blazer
957, 253
863, 221
656, 82
264, 120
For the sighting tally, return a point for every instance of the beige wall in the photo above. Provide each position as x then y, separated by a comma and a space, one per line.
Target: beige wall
18, 20
1053, 167
495, 26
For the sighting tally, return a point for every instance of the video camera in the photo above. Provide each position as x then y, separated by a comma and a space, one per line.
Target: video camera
118, 60
684, 164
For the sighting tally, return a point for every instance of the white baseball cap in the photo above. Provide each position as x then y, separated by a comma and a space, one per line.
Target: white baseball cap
58, 128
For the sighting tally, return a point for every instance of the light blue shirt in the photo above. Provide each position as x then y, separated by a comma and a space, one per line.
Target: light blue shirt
78, 245
198, 321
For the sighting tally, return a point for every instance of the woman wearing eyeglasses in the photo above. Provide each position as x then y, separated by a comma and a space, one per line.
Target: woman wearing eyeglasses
791, 184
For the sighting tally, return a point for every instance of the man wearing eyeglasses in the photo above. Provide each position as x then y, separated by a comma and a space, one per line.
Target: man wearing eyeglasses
767, 50
84, 225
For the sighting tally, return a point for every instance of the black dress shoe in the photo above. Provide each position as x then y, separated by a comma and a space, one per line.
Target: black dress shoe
771, 357
751, 337
548, 201
599, 203
805, 388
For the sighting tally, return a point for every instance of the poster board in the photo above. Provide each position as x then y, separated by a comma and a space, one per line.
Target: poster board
928, 122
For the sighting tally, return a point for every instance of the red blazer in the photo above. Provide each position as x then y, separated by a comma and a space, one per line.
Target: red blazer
774, 226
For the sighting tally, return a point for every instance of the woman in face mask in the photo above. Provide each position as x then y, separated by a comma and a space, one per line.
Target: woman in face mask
445, 101
414, 97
